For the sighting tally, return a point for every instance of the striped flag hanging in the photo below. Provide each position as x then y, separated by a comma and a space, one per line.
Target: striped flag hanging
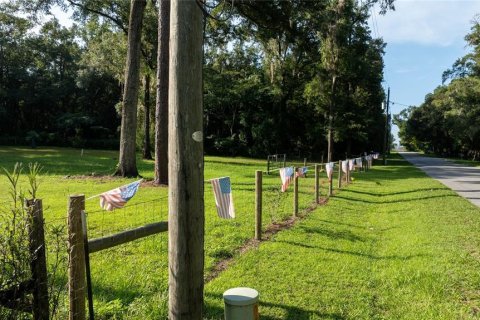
351, 164
329, 169
117, 198
223, 197
358, 162
286, 174
301, 172
345, 166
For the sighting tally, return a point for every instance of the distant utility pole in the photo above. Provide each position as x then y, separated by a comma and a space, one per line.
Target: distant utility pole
387, 131
186, 222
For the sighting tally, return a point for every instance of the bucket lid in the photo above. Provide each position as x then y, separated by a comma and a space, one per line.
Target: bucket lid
240, 296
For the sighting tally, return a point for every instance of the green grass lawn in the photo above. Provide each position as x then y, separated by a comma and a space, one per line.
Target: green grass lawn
130, 281
394, 244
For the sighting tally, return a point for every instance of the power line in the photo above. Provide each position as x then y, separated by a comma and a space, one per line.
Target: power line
401, 104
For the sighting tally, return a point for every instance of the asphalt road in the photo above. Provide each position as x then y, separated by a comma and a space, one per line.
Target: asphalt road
463, 180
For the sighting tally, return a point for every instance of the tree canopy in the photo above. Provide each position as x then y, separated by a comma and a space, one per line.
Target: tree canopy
268, 72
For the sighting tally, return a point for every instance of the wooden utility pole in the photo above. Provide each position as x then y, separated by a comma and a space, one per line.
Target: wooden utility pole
387, 132
185, 148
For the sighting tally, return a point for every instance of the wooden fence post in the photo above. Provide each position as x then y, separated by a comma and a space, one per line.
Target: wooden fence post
295, 192
38, 264
330, 184
258, 205
268, 165
76, 259
339, 174
317, 185
348, 171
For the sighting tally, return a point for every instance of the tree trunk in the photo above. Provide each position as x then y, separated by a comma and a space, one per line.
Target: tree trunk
127, 165
147, 152
330, 120
186, 221
161, 108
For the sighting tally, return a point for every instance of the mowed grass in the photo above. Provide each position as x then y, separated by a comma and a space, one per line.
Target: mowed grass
130, 281
395, 244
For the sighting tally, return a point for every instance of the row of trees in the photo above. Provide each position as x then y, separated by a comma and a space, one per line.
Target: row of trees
448, 122
279, 76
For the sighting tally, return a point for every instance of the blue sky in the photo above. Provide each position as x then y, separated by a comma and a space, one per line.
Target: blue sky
424, 38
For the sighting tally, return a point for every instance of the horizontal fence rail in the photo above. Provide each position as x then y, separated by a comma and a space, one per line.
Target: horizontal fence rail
116, 239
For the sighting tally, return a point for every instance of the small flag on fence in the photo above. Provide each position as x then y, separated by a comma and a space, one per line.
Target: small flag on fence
286, 174
117, 198
223, 197
345, 166
329, 169
351, 164
301, 172
358, 162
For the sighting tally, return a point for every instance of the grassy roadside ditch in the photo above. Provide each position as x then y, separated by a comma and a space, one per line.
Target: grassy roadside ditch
393, 245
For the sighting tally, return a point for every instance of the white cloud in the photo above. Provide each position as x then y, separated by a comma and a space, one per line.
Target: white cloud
427, 22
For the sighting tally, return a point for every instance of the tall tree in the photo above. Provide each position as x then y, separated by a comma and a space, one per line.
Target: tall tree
161, 108
127, 165
147, 152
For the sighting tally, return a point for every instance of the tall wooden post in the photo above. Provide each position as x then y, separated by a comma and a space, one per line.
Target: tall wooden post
185, 148
317, 185
258, 205
38, 263
295, 192
76, 255
339, 174
348, 171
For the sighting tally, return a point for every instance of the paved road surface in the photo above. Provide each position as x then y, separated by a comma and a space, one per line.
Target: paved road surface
461, 179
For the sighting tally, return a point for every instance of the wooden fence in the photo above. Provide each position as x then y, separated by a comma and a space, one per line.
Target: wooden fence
80, 248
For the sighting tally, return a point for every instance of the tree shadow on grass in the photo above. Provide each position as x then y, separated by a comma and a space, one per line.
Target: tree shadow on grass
290, 312
358, 254
393, 193
393, 201
335, 235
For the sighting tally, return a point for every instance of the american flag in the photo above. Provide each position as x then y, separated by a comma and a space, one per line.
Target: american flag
286, 174
223, 197
351, 165
301, 172
117, 198
358, 162
345, 166
329, 169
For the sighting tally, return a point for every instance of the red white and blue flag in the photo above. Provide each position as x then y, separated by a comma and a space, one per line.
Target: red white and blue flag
117, 198
329, 169
223, 197
286, 174
301, 172
345, 166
